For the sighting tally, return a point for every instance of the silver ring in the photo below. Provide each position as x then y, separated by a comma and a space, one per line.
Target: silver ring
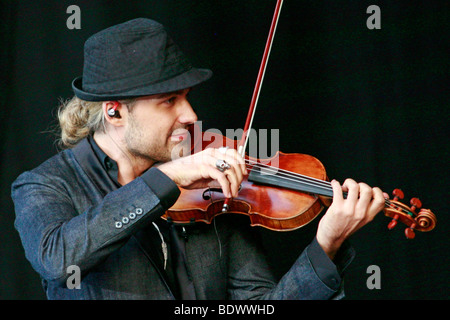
222, 165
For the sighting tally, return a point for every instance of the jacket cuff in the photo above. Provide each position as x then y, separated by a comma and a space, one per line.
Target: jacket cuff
163, 187
329, 272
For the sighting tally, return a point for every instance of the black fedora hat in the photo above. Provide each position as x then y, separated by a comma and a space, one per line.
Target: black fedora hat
132, 59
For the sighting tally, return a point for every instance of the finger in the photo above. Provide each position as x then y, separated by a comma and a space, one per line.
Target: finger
234, 174
240, 160
374, 207
210, 171
365, 195
235, 182
234, 159
338, 197
363, 203
230, 174
352, 189
237, 169
378, 202
221, 178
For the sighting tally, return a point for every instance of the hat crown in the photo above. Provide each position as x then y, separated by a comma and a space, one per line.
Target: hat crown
139, 50
131, 59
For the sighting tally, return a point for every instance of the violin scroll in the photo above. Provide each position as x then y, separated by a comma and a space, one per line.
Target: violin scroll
423, 221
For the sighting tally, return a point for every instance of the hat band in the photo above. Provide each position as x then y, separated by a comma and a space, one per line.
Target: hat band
138, 81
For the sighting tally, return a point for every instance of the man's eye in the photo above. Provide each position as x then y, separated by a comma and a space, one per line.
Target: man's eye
170, 100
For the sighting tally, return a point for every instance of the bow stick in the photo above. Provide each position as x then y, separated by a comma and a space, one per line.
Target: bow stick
262, 69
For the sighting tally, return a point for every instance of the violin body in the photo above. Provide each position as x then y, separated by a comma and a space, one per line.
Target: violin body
268, 206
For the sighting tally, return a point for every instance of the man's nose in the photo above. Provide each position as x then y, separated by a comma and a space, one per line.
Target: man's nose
187, 114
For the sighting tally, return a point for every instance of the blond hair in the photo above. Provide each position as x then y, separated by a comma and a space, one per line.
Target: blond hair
79, 118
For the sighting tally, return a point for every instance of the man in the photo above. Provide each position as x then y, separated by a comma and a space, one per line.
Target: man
97, 205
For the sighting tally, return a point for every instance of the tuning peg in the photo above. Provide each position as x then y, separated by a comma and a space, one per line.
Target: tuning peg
398, 194
393, 222
415, 204
409, 232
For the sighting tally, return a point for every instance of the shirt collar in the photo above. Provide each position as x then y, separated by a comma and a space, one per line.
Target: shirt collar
108, 164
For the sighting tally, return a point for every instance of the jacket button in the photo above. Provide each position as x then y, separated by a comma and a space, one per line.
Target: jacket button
132, 215
109, 165
118, 224
139, 210
125, 220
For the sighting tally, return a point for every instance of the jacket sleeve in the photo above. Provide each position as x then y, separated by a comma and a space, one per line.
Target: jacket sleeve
55, 235
313, 275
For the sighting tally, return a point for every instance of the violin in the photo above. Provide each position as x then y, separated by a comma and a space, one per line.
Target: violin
283, 197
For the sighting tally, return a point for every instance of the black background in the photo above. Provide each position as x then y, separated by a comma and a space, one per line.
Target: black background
370, 104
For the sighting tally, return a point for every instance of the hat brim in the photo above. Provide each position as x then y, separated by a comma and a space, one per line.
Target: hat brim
185, 80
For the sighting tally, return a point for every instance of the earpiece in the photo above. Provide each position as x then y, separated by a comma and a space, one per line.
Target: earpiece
113, 112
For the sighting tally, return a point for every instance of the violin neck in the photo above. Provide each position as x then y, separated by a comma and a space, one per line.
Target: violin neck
297, 182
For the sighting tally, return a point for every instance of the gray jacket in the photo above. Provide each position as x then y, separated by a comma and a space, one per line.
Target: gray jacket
66, 215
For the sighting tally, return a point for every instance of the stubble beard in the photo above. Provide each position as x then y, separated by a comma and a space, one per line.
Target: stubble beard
153, 150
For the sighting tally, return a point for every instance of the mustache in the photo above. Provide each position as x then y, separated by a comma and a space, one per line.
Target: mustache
180, 134
182, 130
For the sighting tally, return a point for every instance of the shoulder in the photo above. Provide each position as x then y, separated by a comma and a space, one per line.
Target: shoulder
56, 170
63, 165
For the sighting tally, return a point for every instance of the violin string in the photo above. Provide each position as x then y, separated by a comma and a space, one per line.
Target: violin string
292, 176
283, 172
299, 178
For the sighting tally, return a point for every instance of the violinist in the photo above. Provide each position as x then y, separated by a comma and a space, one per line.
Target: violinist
97, 204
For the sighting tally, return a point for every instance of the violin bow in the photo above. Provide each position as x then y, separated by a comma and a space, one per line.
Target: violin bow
262, 69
